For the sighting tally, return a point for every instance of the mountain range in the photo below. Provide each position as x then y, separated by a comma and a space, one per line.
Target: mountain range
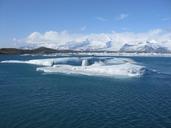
146, 47
88, 46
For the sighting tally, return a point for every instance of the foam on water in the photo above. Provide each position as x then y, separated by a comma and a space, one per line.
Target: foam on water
99, 66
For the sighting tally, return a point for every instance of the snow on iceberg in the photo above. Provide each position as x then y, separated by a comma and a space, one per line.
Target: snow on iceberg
99, 66
97, 69
96, 66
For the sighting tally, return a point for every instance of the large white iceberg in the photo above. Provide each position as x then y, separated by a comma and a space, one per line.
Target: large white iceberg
96, 66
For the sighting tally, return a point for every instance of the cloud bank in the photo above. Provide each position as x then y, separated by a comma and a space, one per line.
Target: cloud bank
96, 41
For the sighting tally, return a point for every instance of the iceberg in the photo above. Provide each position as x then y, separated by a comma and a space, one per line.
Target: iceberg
97, 70
46, 62
94, 66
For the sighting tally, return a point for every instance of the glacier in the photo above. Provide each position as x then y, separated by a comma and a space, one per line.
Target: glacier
92, 66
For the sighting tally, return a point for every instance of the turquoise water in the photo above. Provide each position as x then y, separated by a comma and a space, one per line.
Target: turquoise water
31, 99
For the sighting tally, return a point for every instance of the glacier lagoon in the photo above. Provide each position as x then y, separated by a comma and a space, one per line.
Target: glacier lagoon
98, 92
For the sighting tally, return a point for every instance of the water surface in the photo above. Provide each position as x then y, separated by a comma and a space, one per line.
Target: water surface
31, 99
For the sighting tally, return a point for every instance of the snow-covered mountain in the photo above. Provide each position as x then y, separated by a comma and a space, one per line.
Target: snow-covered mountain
148, 47
157, 40
87, 45
104, 43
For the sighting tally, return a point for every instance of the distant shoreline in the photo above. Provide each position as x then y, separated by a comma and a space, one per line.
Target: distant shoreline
53, 52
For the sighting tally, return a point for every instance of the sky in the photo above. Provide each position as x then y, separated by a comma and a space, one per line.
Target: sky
20, 19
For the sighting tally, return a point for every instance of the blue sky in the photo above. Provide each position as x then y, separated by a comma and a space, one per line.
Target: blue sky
19, 18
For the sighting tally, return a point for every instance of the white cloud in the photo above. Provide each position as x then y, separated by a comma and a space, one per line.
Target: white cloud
101, 19
55, 39
122, 16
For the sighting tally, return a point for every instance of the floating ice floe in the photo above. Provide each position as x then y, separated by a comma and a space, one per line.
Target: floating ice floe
45, 62
96, 66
